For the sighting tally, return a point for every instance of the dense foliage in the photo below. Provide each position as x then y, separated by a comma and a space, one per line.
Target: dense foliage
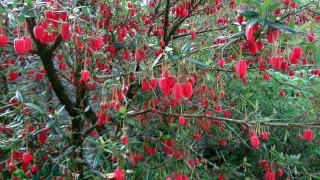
159, 89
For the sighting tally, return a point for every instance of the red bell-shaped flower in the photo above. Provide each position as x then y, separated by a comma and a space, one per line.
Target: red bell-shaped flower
38, 32
297, 51
27, 43
272, 34
118, 173
254, 141
187, 89
307, 134
239, 18
181, 120
65, 32
241, 67
3, 39
27, 157
284, 66
253, 47
19, 45
221, 62
250, 29
177, 91
153, 82
124, 139
84, 75
276, 62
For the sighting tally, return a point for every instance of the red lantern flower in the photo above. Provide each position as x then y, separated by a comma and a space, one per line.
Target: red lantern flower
221, 62
177, 91
3, 40
307, 134
276, 62
241, 67
118, 173
34, 168
27, 43
281, 92
272, 35
187, 89
27, 157
239, 18
181, 120
65, 32
19, 45
250, 29
124, 139
38, 32
254, 141
84, 75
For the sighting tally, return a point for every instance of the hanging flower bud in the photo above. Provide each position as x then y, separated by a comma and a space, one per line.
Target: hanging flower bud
38, 32
27, 43
124, 139
181, 120
251, 133
239, 18
3, 39
145, 85
193, 34
221, 62
65, 32
307, 134
34, 168
284, 66
27, 157
253, 47
311, 37
297, 51
266, 76
279, 172
254, 141
19, 45
250, 29
187, 89
177, 91
118, 173
84, 75
276, 62
241, 67
281, 92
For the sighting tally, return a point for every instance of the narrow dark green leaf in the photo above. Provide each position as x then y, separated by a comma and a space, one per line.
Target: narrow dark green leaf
96, 161
34, 107
185, 48
195, 61
51, 123
279, 26
265, 4
248, 13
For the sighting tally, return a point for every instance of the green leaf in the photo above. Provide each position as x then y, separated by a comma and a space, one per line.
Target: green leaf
156, 61
196, 62
305, 25
34, 107
185, 48
291, 23
96, 161
279, 26
233, 27
19, 96
264, 5
122, 110
274, 6
60, 110
51, 123
248, 13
